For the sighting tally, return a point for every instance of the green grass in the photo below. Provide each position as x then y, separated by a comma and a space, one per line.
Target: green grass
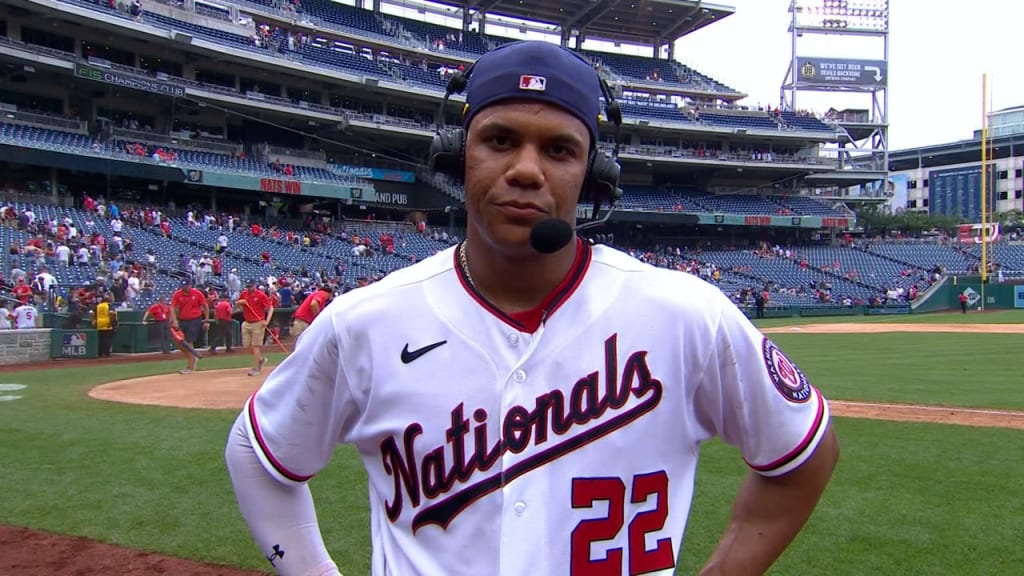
974, 370
906, 499
915, 499
993, 317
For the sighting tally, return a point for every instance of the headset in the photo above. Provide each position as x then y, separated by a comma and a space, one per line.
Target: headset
601, 185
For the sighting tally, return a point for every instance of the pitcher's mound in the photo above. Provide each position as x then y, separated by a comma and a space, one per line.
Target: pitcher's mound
212, 389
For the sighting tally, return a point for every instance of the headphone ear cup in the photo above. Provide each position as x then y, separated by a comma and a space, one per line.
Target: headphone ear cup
447, 153
603, 179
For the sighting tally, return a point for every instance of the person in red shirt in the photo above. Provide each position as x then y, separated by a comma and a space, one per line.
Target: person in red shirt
189, 313
257, 312
310, 308
22, 292
160, 312
222, 324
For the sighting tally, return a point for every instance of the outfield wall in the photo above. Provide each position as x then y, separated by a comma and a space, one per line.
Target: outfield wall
21, 346
996, 296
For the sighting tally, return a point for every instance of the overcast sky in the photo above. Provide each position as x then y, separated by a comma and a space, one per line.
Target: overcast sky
938, 51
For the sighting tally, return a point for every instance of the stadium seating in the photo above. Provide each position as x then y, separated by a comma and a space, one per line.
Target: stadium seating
659, 111
925, 256
338, 57
804, 206
846, 272
1009, 256
416, 75
362, 21
867, 268
738, 204
650, 198
750, 121
638, 67
442, 38
81, 144
803, 122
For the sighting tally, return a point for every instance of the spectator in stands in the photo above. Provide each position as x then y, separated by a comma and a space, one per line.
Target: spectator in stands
22, 292
234, 285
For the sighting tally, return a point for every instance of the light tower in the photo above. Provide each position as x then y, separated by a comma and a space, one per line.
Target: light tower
843, 20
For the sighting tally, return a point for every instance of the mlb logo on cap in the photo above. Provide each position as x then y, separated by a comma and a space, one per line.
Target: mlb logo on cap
535, 83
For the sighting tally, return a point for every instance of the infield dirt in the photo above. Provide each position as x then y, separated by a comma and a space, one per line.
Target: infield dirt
228, 389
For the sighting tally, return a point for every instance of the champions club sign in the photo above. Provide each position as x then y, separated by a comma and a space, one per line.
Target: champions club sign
128, 81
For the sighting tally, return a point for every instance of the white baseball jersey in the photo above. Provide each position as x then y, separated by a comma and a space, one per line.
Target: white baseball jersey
25, 316
558, 441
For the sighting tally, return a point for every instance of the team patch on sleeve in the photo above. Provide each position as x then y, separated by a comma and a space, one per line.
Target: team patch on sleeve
787, 378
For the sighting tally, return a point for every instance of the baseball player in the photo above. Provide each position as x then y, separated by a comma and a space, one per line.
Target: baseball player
310, 309
257, 311
26, 316
522, 410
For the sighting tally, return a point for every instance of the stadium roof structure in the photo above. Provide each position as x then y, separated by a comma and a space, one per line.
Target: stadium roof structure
646, 21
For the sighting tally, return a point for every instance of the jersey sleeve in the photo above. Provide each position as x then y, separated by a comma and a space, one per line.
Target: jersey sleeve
304, 408
754, 397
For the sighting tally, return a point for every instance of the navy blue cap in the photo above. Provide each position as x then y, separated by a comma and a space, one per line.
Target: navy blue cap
535, 70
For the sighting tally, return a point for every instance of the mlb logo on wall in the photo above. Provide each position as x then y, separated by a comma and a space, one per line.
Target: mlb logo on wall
73, 345
535, 83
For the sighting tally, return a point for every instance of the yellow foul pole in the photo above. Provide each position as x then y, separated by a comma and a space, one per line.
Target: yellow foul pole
984, 187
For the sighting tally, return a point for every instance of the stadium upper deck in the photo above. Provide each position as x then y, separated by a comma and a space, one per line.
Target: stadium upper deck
380, 77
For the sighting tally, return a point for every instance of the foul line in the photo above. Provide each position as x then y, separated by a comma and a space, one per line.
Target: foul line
1016, 413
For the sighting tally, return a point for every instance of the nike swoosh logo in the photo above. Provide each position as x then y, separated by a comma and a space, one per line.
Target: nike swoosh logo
408, 356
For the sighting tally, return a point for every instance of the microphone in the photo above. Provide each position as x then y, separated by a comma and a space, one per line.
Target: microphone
551, 235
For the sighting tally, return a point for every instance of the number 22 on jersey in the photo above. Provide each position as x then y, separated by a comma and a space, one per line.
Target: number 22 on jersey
639, 560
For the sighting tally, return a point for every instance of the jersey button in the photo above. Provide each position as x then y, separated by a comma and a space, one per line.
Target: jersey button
513, 339
519, 376
519, 507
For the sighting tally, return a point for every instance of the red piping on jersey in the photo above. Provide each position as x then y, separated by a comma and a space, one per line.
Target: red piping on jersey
530, 320
792, 454
266, 451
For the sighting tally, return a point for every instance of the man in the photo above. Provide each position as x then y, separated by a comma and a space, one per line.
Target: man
257, 311
105, 323
26, 316
189, 314
22, 292
541, 407
310, 309
234, 285
222, 315
159, 312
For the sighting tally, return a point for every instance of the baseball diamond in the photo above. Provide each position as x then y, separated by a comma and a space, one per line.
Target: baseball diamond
449, 288
219, 390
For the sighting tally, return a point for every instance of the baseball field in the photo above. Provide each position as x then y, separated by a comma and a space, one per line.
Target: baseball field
116, 468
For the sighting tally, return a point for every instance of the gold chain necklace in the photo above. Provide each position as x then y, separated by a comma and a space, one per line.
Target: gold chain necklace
464, 264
